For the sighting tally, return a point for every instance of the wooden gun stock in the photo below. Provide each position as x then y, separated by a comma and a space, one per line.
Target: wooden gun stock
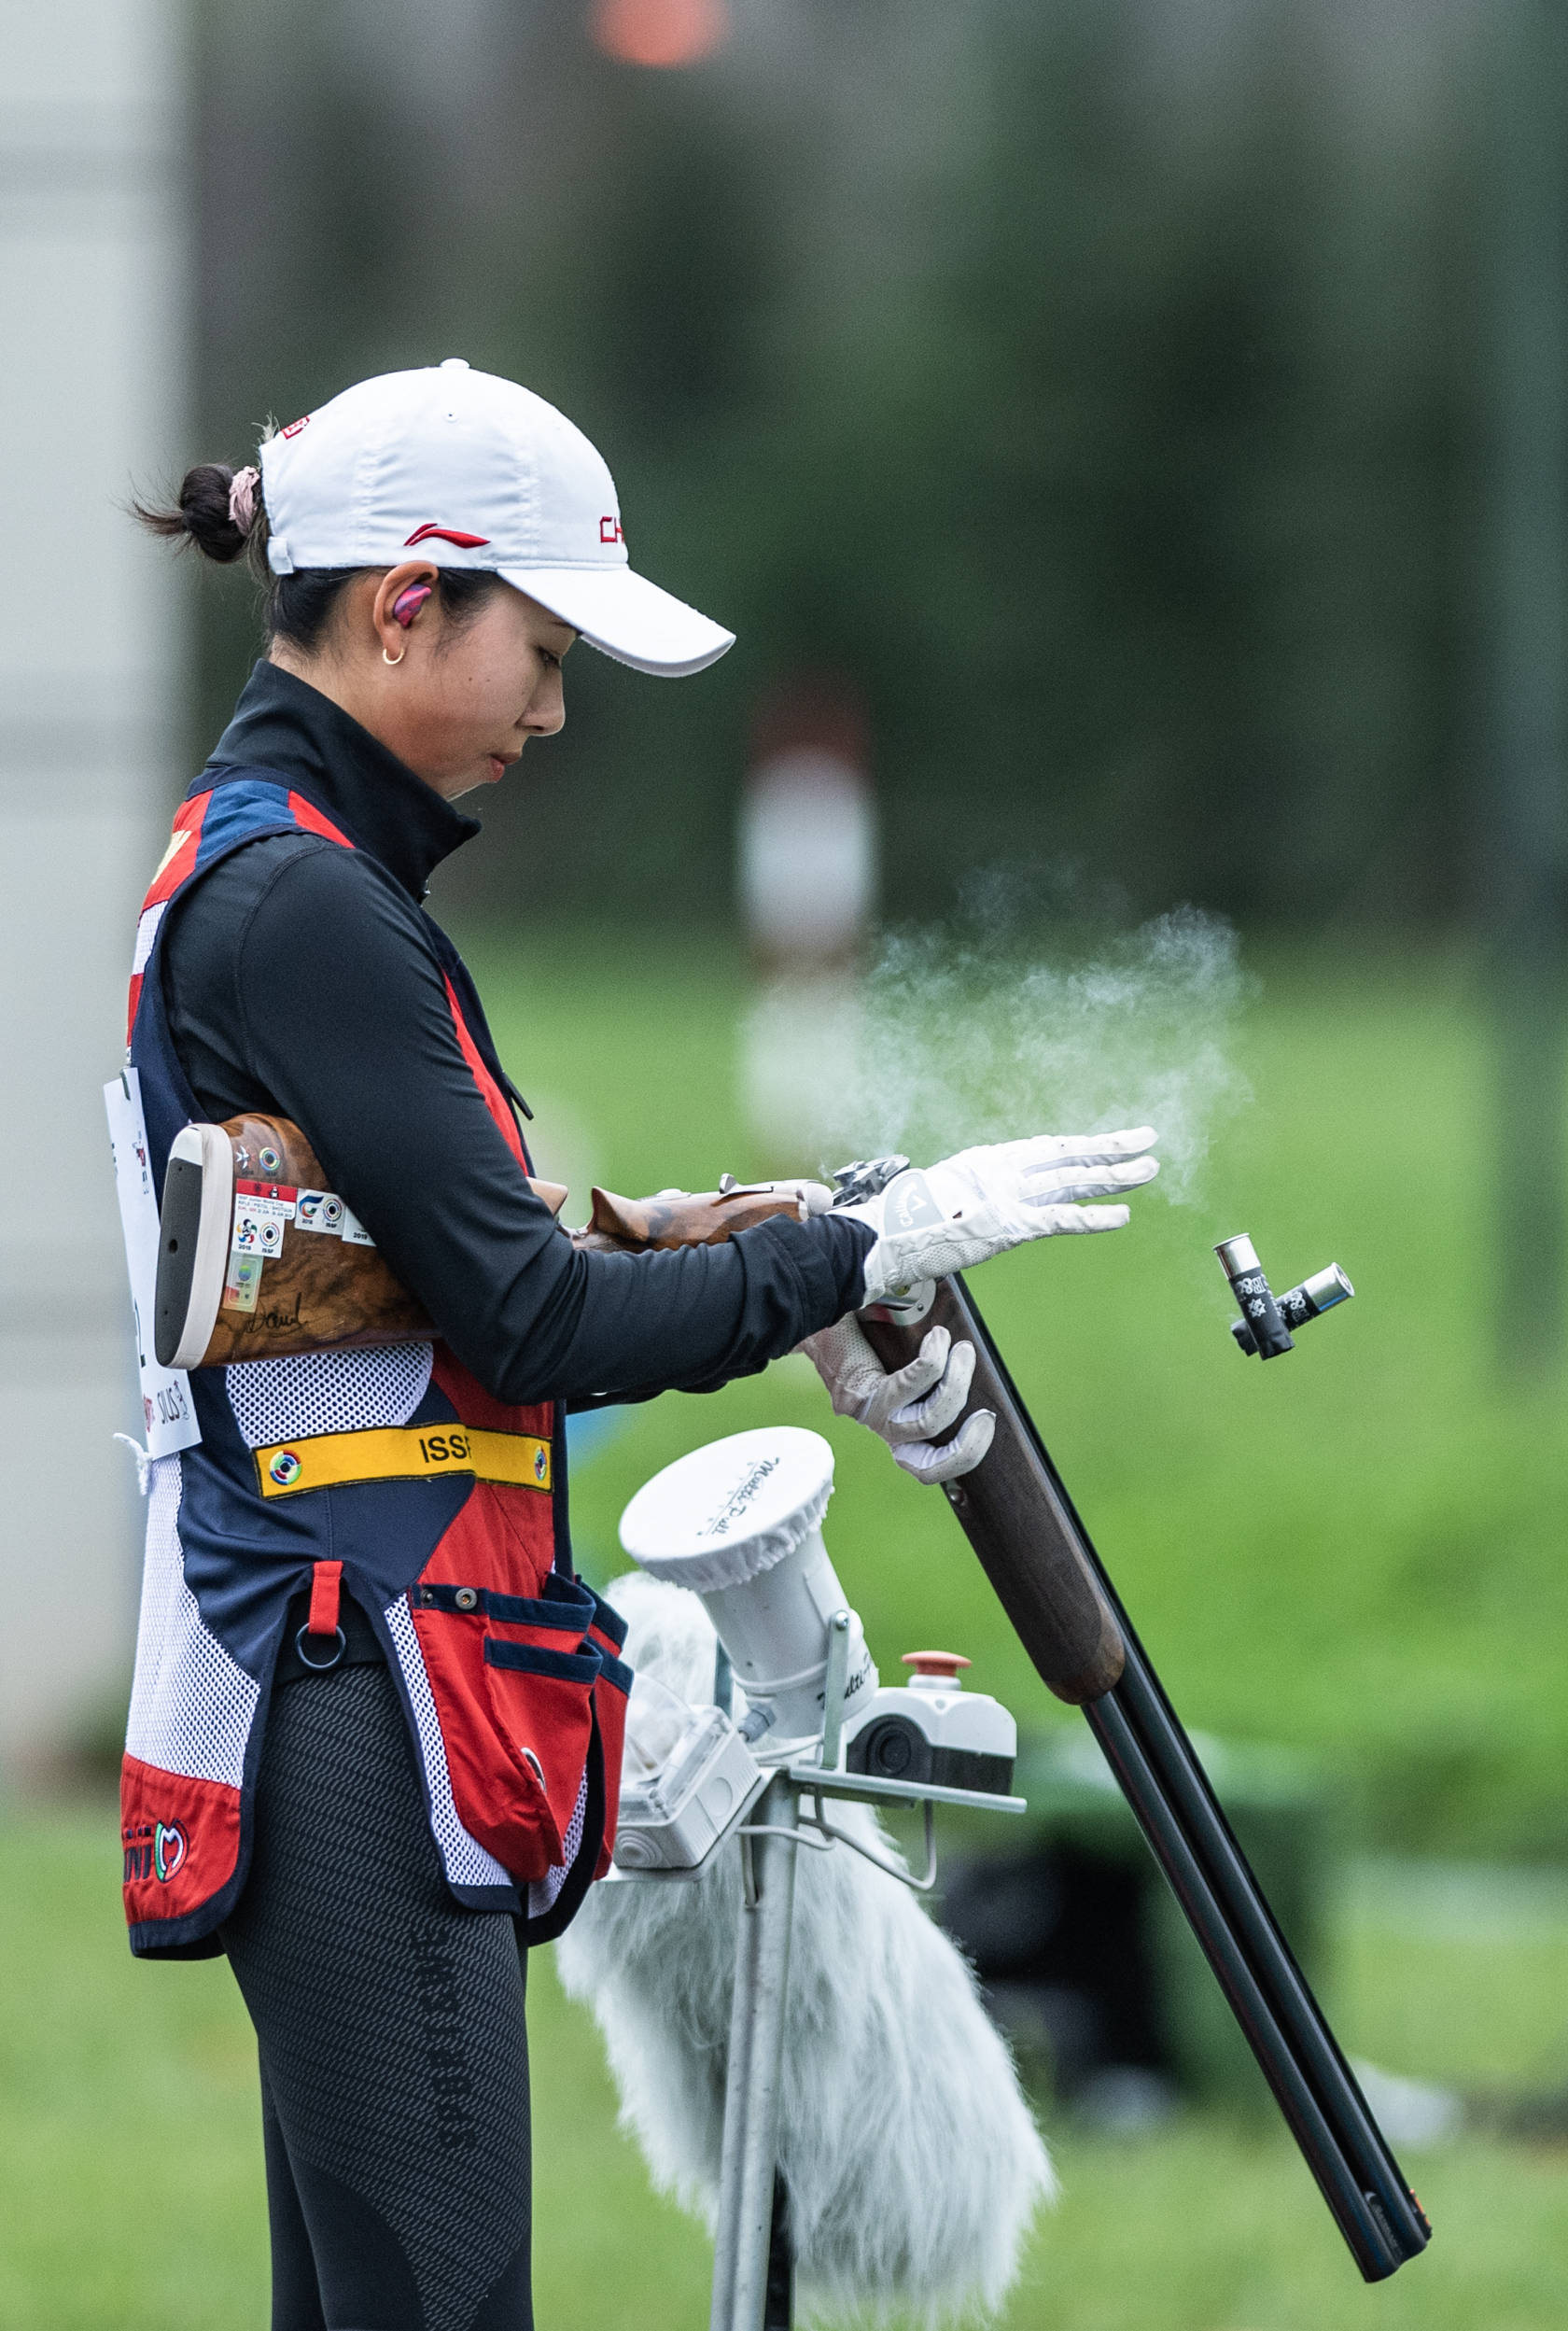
686, 1218
257, 1259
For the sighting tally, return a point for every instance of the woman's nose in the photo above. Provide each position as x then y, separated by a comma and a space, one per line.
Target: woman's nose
546, 715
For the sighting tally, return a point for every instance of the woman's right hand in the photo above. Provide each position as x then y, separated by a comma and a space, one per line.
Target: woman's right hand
932, 1221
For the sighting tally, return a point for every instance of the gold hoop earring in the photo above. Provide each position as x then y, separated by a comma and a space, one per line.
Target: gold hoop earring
393, 659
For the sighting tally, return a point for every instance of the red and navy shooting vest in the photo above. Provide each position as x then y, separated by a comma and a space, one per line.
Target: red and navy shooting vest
506, 1662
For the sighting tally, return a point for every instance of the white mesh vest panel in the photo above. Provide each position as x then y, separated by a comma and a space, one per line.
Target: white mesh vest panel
192, 1705
326, 1392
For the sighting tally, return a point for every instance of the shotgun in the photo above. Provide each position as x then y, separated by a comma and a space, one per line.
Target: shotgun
316, 1292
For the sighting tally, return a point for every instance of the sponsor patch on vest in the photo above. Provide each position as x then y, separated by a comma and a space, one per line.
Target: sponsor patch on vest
155, 1849
393, 1452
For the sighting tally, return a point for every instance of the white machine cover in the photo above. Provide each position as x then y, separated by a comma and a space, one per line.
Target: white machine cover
731, 1510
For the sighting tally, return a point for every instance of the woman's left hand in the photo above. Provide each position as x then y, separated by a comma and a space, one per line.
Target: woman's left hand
911, 1405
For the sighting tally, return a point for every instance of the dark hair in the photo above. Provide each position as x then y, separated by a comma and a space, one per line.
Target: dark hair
298, 606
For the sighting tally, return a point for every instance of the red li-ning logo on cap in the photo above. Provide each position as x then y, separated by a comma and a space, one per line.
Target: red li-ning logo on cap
609, 530
446, 534
295, 427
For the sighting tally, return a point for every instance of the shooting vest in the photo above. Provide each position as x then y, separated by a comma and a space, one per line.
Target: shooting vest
389, 1475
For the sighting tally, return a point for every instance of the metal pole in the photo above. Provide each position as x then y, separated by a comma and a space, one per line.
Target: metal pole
738, 2075
750, 2142
1525, 336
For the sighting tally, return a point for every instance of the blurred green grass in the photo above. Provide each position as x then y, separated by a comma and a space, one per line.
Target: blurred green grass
1357, 1551
130, 2189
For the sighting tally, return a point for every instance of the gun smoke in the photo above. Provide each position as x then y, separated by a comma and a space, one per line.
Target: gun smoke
958, 1037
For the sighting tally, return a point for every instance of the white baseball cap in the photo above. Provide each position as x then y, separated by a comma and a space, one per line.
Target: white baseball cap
474, 471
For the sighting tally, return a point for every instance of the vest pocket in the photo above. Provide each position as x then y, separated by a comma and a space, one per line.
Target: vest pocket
541, 1702
610, 1695
520, 1683
605, 1625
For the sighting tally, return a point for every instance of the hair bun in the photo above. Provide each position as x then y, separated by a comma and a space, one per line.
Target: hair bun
212, 500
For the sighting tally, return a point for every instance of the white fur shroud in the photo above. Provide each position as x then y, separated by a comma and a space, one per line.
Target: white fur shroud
912, 2163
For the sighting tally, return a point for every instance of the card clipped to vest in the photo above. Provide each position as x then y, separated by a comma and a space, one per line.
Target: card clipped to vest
257, 1259
168, 1420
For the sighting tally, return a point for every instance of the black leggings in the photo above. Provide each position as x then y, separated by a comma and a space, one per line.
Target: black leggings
394, 2056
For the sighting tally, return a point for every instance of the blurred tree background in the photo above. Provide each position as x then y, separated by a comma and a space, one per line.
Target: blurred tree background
1091, 389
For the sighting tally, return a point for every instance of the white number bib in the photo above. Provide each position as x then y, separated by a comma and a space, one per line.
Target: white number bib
168, 1418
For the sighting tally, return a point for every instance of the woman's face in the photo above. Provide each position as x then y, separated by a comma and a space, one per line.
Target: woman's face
457, 701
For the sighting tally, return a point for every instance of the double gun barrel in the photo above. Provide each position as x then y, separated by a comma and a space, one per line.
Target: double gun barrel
1020, 1521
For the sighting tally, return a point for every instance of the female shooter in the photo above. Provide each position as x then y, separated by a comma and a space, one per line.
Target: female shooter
374, 1735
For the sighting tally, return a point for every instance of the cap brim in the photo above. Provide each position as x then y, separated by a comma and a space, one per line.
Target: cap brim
625, 617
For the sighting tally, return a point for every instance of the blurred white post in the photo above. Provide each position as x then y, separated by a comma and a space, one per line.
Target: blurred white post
807, 848
92, 657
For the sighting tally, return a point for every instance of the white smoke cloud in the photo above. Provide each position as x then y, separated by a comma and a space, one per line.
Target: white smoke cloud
957, 1037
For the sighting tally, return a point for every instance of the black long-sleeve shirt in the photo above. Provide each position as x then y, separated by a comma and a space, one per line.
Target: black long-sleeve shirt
302, 979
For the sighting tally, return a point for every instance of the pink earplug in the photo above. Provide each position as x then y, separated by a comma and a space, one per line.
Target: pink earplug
407, 604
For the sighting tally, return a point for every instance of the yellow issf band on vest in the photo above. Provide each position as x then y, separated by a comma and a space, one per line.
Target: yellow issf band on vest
402, 1453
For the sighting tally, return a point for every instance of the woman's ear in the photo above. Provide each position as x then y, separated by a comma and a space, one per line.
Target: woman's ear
399, 599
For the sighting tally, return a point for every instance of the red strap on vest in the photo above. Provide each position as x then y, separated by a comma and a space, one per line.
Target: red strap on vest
493, 1098
325, 1578
312, 820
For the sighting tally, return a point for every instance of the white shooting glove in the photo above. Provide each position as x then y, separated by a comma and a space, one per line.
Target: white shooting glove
950, 1216
912, 1404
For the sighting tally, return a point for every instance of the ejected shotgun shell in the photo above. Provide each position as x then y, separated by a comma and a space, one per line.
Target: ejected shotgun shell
1239, 1261
1310, 1300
